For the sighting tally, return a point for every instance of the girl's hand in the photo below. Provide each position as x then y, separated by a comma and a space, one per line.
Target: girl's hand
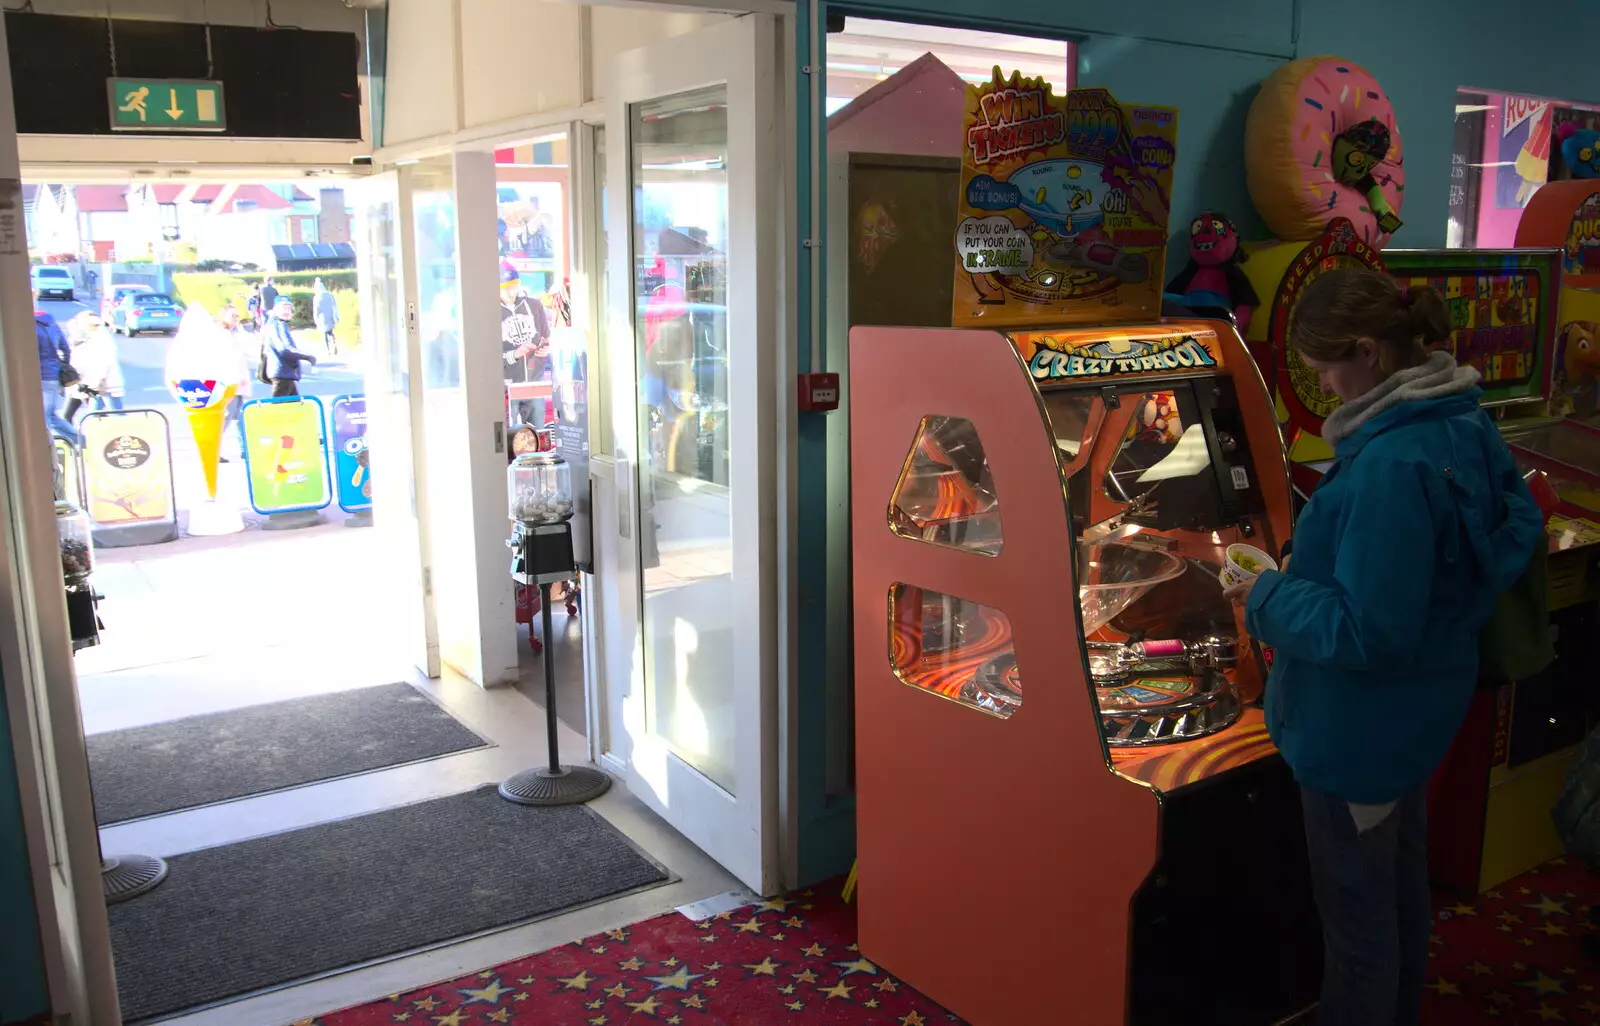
1240, 593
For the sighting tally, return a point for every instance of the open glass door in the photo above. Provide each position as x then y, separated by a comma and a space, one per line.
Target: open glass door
694, 222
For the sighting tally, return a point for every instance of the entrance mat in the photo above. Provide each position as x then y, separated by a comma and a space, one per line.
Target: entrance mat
274, 910
145, 771
787, 962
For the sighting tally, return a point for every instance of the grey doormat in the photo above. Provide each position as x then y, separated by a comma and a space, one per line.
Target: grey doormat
269, 911
144, 771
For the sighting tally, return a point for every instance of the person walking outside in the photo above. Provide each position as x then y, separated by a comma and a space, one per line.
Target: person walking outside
94, 357
245, 354
269, 297
1400, 556
325, 312
55, 368
283, 355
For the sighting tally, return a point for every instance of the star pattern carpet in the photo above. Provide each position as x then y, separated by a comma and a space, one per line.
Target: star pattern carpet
1509, 956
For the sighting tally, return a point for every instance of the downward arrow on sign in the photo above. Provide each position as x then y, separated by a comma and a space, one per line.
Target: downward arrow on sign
174, 111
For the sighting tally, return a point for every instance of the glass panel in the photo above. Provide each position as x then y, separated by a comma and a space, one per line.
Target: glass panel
600, 374
438, 298
678, 150
1068, 415
945, 494
1157, 447
955, 648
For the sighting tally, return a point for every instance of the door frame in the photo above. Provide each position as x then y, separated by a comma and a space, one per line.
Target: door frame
746, 55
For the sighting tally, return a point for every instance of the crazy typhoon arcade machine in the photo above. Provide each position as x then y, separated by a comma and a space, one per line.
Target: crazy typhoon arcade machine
1061, 753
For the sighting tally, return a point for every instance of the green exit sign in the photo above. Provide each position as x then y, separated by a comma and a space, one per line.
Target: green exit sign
165, 105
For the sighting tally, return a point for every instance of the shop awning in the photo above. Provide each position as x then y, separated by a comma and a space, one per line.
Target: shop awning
314, 256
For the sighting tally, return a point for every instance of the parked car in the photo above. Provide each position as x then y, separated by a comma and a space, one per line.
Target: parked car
51, 282
114, 296
147, 311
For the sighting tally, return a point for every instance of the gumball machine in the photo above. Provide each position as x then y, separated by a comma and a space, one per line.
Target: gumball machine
539, 491
77, 563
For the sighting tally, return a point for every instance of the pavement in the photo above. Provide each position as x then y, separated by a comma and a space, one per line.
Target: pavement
143, 361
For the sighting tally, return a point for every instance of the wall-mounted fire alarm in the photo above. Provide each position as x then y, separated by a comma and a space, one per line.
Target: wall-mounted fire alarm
819, 392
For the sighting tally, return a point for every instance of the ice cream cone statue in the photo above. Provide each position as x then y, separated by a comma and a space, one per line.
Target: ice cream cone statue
203, 375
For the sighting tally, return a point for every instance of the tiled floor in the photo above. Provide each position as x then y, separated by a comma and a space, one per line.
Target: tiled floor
197, 628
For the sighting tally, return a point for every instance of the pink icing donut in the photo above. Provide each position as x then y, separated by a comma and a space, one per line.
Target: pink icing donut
1289, 137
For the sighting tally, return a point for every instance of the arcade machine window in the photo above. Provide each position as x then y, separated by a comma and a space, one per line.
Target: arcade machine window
945, 495
954, 648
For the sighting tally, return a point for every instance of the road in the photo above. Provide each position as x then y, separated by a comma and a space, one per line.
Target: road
144, 367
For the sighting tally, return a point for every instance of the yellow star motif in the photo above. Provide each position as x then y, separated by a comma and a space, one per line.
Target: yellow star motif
795, 1006
778, 937
766, 967
520, 995
1459, 909
753, 925
1548, 1014
723, 915
596, 1003
871, 1002
646, 1007
617, 935
694, 1001
486, 974
632, 965
1524, 891
671, 962
679, 980
598, 1020
794, 922
1526, 942
617, 991
1545, 906
807, 908
1542, 984
599, 950
806, 977
490, 995
860, 965
1496, 895
713, 967
1509, 918
887, 985
773, 905
838, 990
815, 950
428, 1004
674, 1020
853, 947
1503, 928
709, 938
1444, 987
912, 1019
453, 1019
578, 982
528, 979
1551, 929
503, 1015
712, 982
1479, 969
402, 1016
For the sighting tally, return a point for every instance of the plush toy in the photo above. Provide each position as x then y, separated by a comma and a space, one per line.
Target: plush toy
1580, 150
1213, 277
1357, 151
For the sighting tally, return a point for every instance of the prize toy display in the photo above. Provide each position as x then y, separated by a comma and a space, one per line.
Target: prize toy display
1580, 150
202, 373
1212, 278
1321, 142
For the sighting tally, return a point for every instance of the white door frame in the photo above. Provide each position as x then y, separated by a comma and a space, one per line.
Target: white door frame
740, 831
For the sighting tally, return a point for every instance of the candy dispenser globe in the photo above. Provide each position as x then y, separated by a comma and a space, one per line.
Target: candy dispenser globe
539, 488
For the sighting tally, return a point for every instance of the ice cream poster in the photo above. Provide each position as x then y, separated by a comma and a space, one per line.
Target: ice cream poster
285, 466
1062, 214
1525, 130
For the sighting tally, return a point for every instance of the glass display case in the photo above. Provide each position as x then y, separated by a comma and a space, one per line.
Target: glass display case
1568, 453
539, 488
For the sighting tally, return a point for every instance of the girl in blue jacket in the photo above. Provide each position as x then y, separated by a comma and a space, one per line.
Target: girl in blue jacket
1399, 557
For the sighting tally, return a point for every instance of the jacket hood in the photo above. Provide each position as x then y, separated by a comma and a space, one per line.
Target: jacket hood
1440, 378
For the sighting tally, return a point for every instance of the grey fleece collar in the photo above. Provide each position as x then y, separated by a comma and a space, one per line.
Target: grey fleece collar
1440, 376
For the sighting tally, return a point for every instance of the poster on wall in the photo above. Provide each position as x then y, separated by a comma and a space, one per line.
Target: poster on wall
352, 468
283, 454
1063, 207
1526, 127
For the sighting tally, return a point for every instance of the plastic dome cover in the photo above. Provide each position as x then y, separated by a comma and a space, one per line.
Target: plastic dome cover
1113, 575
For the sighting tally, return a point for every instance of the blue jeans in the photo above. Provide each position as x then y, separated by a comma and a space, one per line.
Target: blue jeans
1372, 891
50, 392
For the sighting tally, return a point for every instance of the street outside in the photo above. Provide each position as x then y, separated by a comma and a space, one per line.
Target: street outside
143, 360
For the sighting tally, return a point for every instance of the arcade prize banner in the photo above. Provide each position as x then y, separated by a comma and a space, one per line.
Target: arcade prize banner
1063, 210
127, 464
352, 469
283, 454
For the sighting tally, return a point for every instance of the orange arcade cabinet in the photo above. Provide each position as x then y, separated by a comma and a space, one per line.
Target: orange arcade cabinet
1062, 765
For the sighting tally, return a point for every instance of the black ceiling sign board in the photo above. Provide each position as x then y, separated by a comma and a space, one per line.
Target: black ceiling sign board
278, 83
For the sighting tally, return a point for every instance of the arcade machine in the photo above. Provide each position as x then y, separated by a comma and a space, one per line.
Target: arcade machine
1061, 752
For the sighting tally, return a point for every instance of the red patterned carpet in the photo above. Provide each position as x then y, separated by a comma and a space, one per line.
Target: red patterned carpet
1511, 956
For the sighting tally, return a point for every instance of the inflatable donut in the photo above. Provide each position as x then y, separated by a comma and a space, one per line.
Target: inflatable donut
1297, 121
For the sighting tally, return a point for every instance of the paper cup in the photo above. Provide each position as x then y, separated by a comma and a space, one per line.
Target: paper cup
1243, 563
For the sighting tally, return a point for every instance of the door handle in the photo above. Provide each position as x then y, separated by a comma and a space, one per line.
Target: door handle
624, 474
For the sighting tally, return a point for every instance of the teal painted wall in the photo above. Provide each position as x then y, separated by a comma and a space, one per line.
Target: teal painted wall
23, 994
1208, 60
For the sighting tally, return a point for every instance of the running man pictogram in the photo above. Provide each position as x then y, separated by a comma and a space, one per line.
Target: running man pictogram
133, 102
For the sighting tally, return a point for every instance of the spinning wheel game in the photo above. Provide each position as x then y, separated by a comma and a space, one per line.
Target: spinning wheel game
1053, 697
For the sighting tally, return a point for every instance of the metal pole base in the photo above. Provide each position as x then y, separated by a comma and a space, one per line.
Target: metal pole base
569, 785
128, 876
